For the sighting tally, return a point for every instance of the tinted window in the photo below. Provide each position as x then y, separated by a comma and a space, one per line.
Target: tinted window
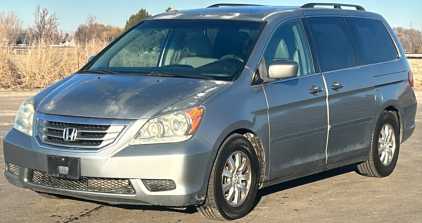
333, 44
372, 41
289, 43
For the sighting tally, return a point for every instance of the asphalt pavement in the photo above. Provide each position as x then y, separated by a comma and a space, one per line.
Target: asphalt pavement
339, 195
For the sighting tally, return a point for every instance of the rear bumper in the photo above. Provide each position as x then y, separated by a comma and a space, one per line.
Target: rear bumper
186, 163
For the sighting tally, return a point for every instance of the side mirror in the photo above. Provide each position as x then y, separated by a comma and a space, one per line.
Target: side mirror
91, 57
281, 69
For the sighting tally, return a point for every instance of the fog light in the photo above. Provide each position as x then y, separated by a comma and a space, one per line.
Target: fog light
159, 185
13, 168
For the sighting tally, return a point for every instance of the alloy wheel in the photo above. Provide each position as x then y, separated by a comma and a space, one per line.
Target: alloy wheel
236, 178
386, 144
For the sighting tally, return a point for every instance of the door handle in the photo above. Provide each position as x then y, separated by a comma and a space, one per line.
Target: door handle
336, 86
315, 90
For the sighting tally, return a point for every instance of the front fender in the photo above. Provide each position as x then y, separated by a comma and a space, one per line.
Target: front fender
235, 109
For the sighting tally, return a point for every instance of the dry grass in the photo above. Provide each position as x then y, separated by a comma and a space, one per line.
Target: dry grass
416, 67
41, 66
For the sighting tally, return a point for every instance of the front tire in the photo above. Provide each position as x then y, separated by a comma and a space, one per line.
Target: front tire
233, 182
385, 147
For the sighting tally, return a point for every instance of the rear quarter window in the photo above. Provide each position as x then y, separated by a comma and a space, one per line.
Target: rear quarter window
372, 41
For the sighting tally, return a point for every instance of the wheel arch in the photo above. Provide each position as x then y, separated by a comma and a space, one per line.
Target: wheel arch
395, 109
259, 150
257, 144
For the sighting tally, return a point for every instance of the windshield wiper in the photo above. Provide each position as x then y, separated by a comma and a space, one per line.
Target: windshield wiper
99, 71
165, 74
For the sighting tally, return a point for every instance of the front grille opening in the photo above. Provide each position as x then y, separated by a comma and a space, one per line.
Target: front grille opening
77, 142
88, 136
159, 185
60, 132
90, 184
13, 168
78, 126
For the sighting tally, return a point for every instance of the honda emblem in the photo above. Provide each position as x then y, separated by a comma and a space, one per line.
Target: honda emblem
69, 134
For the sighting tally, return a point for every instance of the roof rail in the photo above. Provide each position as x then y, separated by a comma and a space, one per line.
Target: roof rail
335, 5
229, 4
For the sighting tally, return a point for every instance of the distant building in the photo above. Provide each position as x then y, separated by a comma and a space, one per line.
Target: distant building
72, 43
22, 39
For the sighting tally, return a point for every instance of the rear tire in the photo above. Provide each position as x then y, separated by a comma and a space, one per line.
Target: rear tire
385, 147
233, 182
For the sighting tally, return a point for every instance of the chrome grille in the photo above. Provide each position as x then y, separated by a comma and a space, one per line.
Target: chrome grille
88, 136
91, 184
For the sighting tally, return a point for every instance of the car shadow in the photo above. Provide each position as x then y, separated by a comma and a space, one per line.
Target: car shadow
303, 181
185, 210
261, 193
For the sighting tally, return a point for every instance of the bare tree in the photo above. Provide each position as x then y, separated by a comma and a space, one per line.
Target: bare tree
92, 30
46, 26
10, 27
403, 37
410, 39
88, 31
415, 40
109, 32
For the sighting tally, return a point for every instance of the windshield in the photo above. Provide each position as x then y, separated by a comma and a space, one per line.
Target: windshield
208, 49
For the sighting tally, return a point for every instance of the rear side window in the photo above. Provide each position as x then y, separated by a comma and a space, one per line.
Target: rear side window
333, 44
373, 43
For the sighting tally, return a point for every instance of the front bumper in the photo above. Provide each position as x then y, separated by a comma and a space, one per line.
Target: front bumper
187, 164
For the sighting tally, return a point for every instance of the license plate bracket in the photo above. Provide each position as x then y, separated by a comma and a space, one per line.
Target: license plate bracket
64, 167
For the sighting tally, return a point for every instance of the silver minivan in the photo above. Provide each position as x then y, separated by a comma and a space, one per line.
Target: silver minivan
204, 107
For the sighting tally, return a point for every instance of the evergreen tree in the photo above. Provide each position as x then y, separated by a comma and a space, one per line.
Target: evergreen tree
135, 18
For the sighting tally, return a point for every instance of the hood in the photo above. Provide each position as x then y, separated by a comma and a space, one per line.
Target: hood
126, 96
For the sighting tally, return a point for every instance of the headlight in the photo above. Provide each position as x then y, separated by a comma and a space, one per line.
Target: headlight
24, 121
175, 127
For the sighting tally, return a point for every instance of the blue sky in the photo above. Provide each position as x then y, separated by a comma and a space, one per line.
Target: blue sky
71, 13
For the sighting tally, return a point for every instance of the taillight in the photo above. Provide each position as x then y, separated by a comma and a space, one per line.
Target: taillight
410, 78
